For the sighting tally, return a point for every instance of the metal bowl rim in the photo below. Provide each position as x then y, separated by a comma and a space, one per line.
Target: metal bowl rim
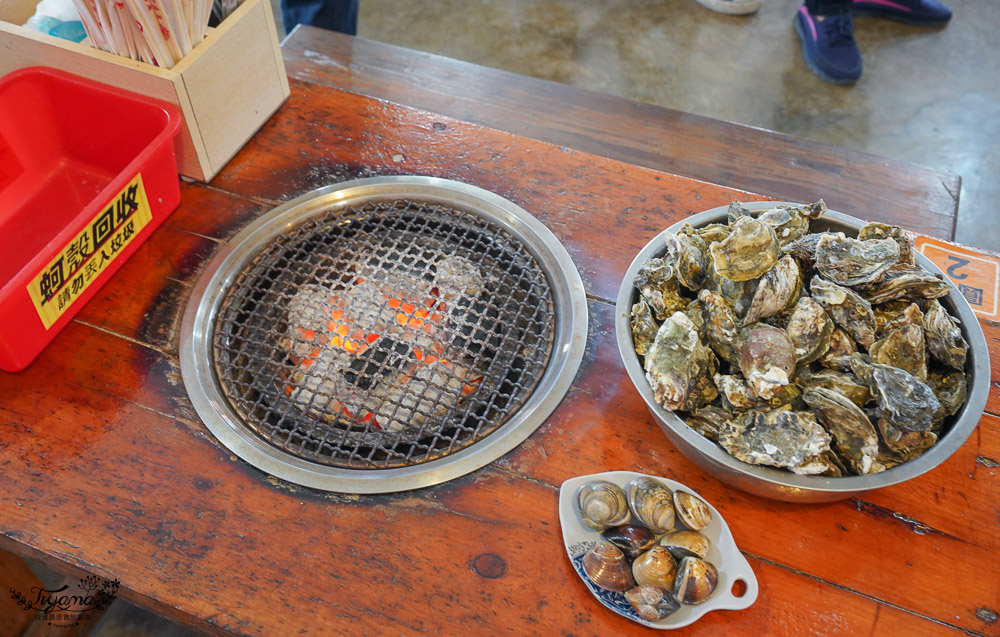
964, 424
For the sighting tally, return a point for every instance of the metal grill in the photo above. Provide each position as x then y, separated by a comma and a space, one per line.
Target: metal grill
384, 334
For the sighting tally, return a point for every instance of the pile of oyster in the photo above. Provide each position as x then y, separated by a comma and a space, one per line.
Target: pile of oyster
658, 560
810, 351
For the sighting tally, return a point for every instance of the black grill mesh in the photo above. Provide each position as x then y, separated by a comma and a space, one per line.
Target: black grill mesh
383, 335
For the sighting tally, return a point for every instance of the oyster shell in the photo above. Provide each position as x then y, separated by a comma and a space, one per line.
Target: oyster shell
657, 283
602, 504
735, 393
655, 567
606, 566
688, 255
847, 261
904, 281
904, 348
643, 327
778, 289
696, 580
683, 544
854, 437
844, 383
907, 406
847, 309
632, 539
652, 503
708, 420
750, 250
893, 315
791, 223
652, 603
810, 329
709, 234
692, 511
679, 367
720, 324
778, 438
875, 230
951, 389
944, 336
766, 357
842, 347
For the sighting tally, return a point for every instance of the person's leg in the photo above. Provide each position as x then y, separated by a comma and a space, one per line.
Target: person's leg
335, 15
828, 43
920, 12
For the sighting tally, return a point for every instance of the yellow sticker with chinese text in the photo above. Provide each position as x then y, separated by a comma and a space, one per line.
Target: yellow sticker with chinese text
976, 274
89, 253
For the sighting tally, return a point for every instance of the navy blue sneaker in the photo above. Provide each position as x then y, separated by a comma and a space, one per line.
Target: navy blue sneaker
927, 13
828, 45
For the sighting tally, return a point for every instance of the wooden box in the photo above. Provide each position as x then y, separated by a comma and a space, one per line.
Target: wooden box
226, 88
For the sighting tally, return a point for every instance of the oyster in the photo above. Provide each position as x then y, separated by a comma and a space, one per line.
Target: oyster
602, 504
907, 406
778, 438
875, 230
688, 255
842, 347
708, 421
655, 567
951, 389
844, 383
854, 437
847, 261
846, 308
810, 329
766, 357
652, 503
683, 544
737, 210
720, 324
692, 511
791, 223
657, 283
944, 336
904, 348
696, 580
709, 234
607, 567
679, 367
652, 602
778, 289
904, 281
804, 250
893, 315
735, 393
694, 312
750, 250
643, 327
632, 539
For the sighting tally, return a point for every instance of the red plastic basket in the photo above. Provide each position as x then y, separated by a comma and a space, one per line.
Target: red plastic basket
87, 172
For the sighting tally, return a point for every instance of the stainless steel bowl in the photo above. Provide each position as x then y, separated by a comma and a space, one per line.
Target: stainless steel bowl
775, 483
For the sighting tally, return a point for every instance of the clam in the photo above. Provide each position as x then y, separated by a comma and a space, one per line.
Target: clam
750, 250
652, 602
632, 539
655, 567
944, 336
766, 358
652, 503
602, 504
607, 567
696, 580
692, 511
847, 261
683, 544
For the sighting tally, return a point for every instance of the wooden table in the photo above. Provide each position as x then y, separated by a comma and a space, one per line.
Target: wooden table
108, 470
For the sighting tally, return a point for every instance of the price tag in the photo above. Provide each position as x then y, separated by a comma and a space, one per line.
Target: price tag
975, 274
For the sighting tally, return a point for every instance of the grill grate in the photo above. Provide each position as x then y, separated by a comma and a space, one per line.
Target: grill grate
384, 334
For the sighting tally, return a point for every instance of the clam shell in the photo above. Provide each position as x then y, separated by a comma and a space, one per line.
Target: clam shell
602, 504
607, 567
652, 503
655, 567
633, 539
692, 510
683, 544
652, 602
696, 580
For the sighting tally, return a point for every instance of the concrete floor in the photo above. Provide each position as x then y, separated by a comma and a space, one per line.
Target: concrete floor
927, 96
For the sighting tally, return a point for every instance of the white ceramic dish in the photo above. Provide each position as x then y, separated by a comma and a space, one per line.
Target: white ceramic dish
726, 557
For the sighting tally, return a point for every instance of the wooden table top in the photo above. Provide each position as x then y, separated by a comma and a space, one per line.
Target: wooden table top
108, 470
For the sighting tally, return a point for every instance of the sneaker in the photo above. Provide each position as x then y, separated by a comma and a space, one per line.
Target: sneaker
926, 13
732, 7
828, 45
